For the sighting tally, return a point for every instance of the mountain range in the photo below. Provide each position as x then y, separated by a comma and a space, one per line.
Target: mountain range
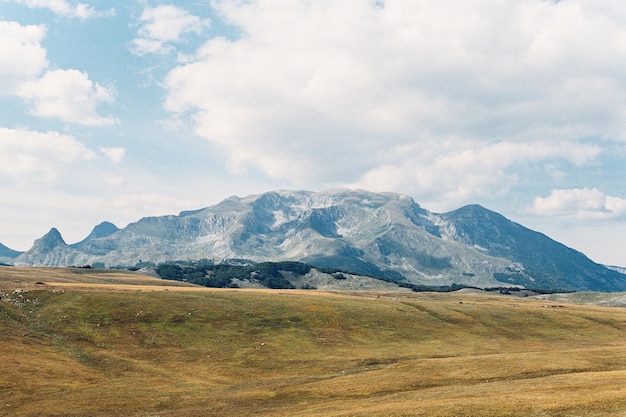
384, 235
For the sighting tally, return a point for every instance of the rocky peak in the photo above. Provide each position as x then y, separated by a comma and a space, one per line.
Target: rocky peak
49, 241
104, 229
381, 234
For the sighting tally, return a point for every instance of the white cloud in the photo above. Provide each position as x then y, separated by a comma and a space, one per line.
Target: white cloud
581, 203
21, 56
65, 8
65, 94
115, 155
68, 95
162, 26
115, 181
141, 46
314, 91
444, 175
29, 155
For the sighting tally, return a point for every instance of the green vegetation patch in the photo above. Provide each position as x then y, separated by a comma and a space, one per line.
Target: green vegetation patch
208, 274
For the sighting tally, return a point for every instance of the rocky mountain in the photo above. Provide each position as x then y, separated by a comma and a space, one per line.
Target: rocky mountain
380, 234
104, 229
50, 250
545, 261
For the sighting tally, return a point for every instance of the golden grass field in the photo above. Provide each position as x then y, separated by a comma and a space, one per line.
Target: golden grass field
115, 343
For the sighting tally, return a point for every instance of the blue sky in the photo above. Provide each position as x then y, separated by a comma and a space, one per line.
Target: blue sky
122, 109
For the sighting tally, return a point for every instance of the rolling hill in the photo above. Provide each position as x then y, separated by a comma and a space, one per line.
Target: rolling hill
79, 342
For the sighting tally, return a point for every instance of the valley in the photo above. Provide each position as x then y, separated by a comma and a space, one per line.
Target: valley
79, 342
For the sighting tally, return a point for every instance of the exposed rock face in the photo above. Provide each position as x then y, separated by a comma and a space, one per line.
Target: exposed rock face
545, 261
104, 229
51, 250
382, 234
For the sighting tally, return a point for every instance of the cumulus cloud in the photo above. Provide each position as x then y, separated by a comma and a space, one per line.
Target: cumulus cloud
313, 91
162, 26
65, 94
65, 8
115, 155
449, 173
68, 95
21, 57
27, 154
581, 203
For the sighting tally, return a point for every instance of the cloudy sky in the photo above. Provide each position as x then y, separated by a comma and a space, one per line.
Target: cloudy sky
115, 110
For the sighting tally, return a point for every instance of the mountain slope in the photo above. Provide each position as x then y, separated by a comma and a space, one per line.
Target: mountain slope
381, 234
547, 264
50, 249
7, 254
104, 229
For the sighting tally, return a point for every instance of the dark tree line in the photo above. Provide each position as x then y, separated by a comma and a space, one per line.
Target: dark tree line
272, 275
207, 274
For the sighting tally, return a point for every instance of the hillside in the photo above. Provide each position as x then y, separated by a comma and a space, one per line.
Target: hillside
383, 235
8, 254
85, 348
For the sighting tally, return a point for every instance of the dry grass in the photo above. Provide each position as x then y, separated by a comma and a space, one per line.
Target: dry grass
102, 352
34, 278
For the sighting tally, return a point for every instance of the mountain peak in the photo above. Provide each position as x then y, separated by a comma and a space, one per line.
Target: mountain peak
104, 229
50, 240
473, 210
50, 250
383, 234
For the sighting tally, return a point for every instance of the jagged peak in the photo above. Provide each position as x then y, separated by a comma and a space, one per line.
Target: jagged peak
344, 226
50, 240
53, 234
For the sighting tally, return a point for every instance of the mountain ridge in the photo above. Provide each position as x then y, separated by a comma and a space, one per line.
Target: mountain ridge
103, 229
381, 234
7, 254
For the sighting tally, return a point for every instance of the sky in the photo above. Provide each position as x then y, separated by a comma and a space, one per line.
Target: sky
117, 110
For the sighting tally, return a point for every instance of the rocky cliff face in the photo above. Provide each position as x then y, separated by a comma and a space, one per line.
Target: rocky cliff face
51, 250
545, 261
381, 234
102, 230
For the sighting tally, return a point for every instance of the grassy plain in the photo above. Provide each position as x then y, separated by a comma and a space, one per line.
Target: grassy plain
95, 343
